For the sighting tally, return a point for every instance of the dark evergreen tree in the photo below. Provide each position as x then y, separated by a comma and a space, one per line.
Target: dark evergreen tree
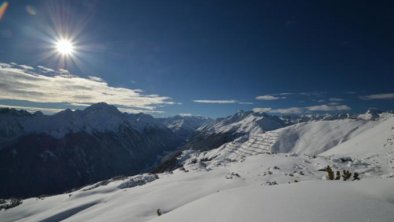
346, 175
356, 176
338, 176
330, 173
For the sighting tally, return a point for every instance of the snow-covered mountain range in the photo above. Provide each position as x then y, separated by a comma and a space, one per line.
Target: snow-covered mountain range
249, 167
185, 126
223, 130
99, 117
42, 154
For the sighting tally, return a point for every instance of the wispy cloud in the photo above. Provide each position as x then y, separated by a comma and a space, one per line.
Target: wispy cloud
270, 97
221, 101
245, 103
378, 96
262, 109
328, 108
33, 109
316, 94
290, 110
20, 84
215, 101
185, 114
299, 110
335, 99
285, 94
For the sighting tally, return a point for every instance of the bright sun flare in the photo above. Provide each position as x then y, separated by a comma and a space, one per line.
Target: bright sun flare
64, 47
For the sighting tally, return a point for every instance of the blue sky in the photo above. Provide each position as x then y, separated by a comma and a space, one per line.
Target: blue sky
208, 58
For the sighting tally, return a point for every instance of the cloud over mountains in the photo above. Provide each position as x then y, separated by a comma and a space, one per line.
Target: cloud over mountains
38, 86
380, 96
299, 110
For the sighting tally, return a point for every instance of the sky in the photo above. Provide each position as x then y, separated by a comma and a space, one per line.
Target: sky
197, 57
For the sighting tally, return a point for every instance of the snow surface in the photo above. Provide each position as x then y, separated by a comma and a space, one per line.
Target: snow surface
306, 202
318, 136
249, 179
243, 122
309, 138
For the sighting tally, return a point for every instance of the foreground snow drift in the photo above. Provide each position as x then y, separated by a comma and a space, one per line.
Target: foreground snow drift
367, 200
139, 200
236, 191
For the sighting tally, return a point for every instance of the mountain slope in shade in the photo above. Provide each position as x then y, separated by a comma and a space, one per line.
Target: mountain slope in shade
51, 154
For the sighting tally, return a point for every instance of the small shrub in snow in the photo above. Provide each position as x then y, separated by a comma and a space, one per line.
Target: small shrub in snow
270, 183
346, 175
338, 176
330, 173
356, 176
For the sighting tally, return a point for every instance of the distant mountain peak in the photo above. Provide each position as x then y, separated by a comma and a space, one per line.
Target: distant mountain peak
14, 112
371, 114
100, 107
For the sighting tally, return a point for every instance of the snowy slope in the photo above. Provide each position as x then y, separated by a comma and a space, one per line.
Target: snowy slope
242, 123
373, 148
318, 136
309, 138
377, 140
114, 202
306, 202
185, 126
237, 191
224, 130
248, 180
177, 123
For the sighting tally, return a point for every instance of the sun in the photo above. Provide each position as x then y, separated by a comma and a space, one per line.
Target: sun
64, 47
